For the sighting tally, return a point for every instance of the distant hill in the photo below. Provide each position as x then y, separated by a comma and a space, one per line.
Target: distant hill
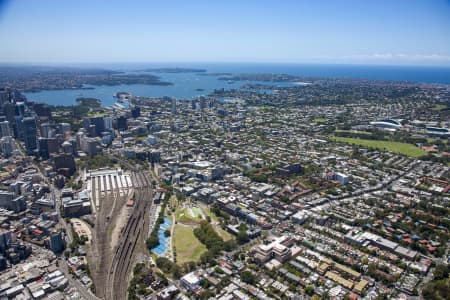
173, 70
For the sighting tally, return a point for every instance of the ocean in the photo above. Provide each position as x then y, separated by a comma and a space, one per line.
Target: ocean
187, 85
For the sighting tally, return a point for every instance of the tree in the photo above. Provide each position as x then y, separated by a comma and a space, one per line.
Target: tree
242, 237
176, 271
164, 264
439, 289
309, 289
248, 277
441, 272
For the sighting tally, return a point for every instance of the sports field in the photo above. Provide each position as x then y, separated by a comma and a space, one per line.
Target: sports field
189, 215
195, 212
396, 147
188, 247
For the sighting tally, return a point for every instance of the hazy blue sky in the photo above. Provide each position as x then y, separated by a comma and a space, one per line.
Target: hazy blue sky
361, 32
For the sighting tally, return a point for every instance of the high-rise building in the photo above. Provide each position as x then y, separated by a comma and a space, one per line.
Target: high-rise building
3, 263
6, 146
108, 123
4, 97
5, 240
65, 127
74, 143
42, 110
64, 161
43, 148
56, 242
47, 130
174, 106
20, 109
92, 130
47, 146
29, 134
67, 147
97, 121
8, 201
18, 127
122, 123
5, 130
9, 112
136, 112
91, 146
202, 103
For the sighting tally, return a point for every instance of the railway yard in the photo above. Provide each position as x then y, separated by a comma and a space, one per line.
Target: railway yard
111, 261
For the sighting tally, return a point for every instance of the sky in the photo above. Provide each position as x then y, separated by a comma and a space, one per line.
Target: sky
382, 32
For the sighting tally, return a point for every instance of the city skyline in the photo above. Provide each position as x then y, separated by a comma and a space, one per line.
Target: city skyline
348, 32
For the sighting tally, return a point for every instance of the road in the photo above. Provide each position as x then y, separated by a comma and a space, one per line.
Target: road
83, 290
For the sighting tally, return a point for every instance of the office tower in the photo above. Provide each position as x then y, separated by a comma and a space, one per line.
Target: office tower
43, 148
6, 146
122, 123
8, 201
92, 130
64, 161
18, 127
97, 121
5, 240
136, 112
107, 123
202, 103
65, 127
56, 242
20, 109
174, 106
4, 97
42, 110
67, 147
5, 130
3, 263
74, 143
9, 112
29, 134
47, 130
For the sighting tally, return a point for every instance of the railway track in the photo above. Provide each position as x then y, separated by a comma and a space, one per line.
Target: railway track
113, 266
132, 235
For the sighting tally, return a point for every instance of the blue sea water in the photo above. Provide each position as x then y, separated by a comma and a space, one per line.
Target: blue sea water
163, 240
186, 84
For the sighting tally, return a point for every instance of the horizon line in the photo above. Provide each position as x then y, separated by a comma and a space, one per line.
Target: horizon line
367, 64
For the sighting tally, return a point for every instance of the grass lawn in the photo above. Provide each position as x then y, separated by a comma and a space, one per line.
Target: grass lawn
187, 246
438, 107
96, 114
208, 212
319, 120
354, 131
223, 234
396, 147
